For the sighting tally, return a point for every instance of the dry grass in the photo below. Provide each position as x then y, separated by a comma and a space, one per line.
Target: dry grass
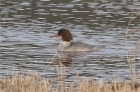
35, 83
30, 83
133, 52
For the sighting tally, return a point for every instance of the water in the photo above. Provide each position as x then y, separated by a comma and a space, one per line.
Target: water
26, 46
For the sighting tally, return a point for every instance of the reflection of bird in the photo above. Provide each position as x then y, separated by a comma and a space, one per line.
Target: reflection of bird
66, 57
65, 61
67, 45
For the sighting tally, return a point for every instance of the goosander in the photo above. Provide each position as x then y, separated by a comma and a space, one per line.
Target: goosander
67, 45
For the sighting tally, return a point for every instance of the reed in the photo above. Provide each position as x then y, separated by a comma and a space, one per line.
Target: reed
133, 52
35, 83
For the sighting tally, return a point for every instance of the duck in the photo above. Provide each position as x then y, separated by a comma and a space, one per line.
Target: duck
68, 46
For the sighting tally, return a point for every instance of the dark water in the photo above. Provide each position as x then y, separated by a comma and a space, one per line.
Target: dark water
26, 46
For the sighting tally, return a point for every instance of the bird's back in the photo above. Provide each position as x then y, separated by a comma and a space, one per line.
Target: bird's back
78, 46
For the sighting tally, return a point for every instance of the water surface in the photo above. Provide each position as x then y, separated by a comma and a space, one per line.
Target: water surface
26, 46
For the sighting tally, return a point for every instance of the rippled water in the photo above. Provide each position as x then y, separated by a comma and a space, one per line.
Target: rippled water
26, 27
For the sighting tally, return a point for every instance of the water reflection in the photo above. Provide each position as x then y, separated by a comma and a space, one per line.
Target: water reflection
66, 57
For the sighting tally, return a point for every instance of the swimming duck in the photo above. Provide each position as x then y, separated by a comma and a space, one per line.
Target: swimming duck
69, 46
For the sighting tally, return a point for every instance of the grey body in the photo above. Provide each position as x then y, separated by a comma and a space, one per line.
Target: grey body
77, 46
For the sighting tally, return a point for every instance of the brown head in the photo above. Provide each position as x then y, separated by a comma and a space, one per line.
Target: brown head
64, 34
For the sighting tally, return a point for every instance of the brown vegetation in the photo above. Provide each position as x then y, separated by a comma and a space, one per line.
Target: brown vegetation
35, 83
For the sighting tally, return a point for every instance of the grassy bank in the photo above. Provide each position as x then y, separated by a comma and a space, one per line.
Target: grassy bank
35, 83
